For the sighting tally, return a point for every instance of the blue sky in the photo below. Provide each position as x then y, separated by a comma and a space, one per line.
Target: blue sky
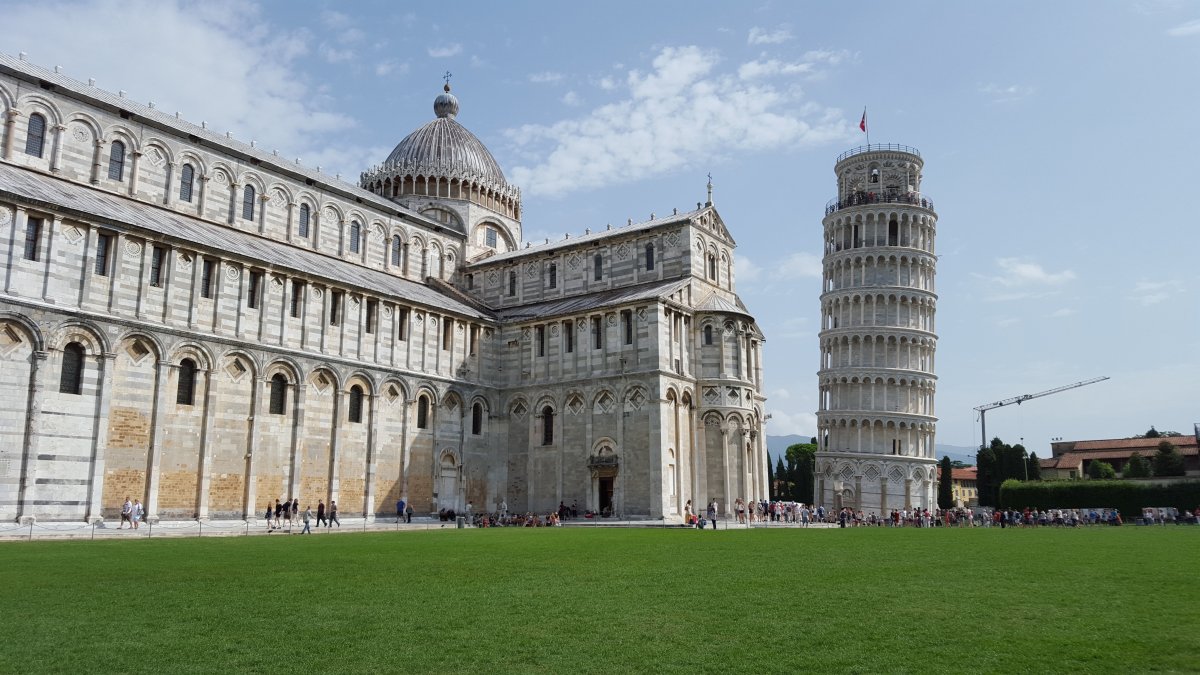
1059, 142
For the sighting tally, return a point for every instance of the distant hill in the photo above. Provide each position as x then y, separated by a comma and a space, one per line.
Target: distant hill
778, 445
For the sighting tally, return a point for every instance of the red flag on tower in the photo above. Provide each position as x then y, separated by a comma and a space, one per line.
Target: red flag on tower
863, 124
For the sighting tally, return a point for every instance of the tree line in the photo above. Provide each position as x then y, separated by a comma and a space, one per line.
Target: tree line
793, 481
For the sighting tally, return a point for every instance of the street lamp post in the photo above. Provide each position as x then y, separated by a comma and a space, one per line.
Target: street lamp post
1025, 458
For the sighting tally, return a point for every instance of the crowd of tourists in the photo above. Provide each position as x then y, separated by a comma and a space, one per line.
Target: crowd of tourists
286, 514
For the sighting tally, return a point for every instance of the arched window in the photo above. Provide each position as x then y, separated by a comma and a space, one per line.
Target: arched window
116, 161
302, 227
355, 231
712, 267
185, 394
71, 380
708, 339
248, 195
355, 407
278, 394
422, 412
649, 257
35, 135
477, 419
187, 178
397, 250
547, 426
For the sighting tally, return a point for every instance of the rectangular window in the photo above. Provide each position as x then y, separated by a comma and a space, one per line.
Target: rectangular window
512, 283
470, 281
157, 255
491, 237
33, 235
372, 309
335, 308
473, 340
598, 267
253, 286
447, 332
597, 333
297, 298
206, 278
569, 336
402, 325
627, 325
553, 272
649, 257
103, 241
540, 332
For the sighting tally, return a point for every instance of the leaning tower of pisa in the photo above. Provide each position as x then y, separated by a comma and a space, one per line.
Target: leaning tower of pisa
876, 419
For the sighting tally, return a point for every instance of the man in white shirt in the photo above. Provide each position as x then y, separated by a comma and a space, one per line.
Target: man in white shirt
126, 514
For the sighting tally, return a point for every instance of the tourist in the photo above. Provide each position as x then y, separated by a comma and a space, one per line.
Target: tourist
295, 509
333, 514
126, 513
278, 513
321, 514
503, 508
267, 517
399, 510
307, 517
687, 512
138, 512
408, 513
712, 513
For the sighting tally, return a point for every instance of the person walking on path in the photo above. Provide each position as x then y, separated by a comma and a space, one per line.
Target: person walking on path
399, 510
321, 514
712, 513
407, 513
307, 517
138, 511
126, 514
333, 514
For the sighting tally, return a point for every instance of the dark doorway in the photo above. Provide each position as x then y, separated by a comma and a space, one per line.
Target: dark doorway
606, 495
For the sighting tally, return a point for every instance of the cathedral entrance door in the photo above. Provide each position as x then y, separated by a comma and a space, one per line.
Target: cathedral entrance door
447, 485
606, 495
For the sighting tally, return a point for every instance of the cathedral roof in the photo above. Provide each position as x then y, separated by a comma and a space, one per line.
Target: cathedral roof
446, 149
593, 301
96, 204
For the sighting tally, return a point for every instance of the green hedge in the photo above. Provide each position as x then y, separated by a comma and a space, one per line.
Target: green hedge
1127, 496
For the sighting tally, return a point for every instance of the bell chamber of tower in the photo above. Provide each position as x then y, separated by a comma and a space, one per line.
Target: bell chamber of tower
875, 421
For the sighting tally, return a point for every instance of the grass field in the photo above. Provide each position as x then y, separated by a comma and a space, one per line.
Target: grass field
1094, 600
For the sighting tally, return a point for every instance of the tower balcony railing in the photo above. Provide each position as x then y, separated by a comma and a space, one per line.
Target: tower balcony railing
879, 147
865, 198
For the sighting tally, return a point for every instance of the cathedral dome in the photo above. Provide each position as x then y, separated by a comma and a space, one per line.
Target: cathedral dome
444, 148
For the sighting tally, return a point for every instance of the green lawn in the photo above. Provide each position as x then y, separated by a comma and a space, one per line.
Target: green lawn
1094, 600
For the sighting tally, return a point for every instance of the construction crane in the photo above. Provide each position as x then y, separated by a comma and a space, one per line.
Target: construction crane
1025, 397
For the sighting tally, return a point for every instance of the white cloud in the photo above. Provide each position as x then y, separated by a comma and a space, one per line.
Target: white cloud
1063, 312
752, 70
785, 423
1185, 29
607, 83
1005, 93
802, 265
762, 36
548, 77
1154, 292
678, 114
334, 55
779, 393
571, 98
249, 84
1018, 272
746, 270
388, 67
445, 51
1006, 322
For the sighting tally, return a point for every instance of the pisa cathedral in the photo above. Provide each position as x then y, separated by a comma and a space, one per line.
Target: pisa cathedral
207, 326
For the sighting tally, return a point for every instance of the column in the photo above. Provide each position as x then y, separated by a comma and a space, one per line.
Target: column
153, 465
299, 397
251, 488
207, 441
133, 173
168, 196
100, 443
33, 431
56, 148
335, 443
372, 457
19, 223
725, 465
10, 123
234, 193
201, 198
97, 152
262, 212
